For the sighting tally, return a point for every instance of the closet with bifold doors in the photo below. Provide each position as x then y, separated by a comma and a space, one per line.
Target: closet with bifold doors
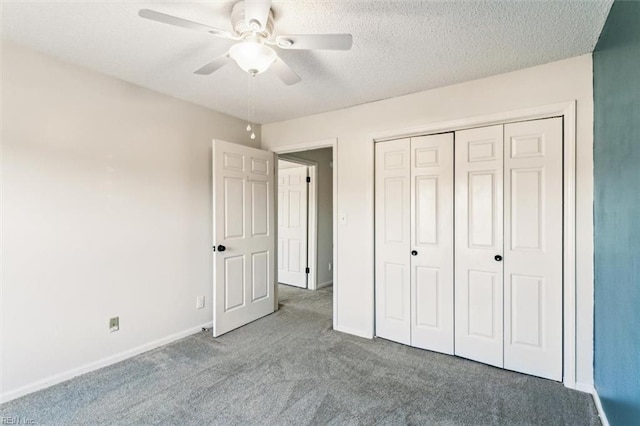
468, 240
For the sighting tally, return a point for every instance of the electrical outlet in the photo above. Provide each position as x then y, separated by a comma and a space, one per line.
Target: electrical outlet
200, 302
114, 324
330, 266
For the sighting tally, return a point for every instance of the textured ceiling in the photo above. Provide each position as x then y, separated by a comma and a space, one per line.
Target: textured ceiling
399, 47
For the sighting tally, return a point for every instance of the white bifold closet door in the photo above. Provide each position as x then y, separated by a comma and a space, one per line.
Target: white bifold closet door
393, 240
479, 235
432, 242
414, 241
508, 236
533, 248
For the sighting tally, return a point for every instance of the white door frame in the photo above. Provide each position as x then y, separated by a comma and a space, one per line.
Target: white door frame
312, 218
307, 146
566, 110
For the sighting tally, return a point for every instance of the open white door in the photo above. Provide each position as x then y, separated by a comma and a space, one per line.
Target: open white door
292, 226
243, 235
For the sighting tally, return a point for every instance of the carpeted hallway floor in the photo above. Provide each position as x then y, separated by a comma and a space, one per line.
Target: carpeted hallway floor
292, 368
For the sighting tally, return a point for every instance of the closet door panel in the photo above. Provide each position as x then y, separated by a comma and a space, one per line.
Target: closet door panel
478, 239
533, 248
392, 240
432, 240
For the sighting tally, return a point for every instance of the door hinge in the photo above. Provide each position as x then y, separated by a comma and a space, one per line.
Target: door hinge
306, 270
308, 179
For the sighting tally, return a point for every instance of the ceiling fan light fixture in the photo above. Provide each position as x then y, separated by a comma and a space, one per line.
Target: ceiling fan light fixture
252, 56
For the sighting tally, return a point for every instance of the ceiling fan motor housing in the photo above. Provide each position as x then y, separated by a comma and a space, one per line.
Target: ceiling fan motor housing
240, 25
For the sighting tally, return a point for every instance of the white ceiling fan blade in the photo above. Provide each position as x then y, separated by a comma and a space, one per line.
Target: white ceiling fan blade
214, 65
284, 73
256, 14
315, 41
179, 22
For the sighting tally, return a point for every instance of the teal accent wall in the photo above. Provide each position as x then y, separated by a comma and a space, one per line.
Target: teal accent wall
616, 75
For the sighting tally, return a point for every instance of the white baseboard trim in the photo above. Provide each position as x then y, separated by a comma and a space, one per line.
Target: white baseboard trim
324, 284
589, 388
104, 362
353, 331
601, 413
584, 387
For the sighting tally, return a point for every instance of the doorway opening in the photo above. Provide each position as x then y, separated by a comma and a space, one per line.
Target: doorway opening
305, 220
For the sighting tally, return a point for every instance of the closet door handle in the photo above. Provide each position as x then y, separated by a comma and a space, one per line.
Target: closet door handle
414, 253
221, 248
498, 258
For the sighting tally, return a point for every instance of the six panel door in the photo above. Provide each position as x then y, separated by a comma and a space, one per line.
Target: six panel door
432, 242
392, 240
533, 248
478, 240
292, 226
243, 235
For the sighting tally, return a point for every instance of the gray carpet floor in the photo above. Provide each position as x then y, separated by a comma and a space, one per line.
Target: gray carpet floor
292, 368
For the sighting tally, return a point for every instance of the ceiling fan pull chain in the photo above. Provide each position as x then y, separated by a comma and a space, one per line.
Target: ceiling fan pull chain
251, 103
249, 106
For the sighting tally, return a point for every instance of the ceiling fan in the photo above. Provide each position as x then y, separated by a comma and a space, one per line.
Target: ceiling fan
252, 23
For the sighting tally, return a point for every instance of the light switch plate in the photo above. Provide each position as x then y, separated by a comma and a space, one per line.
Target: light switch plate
200, 302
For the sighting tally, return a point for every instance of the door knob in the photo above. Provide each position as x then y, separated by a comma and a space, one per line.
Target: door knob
221, 248
414, 253
498, 258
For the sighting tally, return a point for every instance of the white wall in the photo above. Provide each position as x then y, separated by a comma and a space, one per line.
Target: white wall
556, 82
325, 210
106, 211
